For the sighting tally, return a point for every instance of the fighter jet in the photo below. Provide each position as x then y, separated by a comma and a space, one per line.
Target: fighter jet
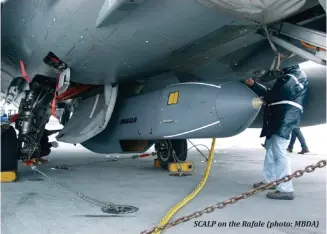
130, 74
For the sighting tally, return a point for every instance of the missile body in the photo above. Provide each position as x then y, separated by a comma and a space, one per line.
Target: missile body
181, 111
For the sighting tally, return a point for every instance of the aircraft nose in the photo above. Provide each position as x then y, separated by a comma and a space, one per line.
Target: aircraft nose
237, 106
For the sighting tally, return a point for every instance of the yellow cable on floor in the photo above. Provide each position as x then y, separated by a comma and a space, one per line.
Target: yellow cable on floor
189, 197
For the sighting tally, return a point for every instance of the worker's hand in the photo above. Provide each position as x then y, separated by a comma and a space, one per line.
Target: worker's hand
54, 144
249, 82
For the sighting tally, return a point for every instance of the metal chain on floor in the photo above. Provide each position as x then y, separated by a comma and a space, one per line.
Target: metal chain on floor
113, 158
199, 151
107, 207
220, 205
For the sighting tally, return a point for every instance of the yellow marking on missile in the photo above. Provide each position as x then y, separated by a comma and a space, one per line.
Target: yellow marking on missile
173, 98
176, 97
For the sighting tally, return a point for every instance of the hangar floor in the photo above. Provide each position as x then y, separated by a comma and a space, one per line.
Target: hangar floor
31, 207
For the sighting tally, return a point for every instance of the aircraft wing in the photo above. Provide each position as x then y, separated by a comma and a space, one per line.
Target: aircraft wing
108, 43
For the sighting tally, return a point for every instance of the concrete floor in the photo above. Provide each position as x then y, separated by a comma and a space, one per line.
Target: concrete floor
41, 207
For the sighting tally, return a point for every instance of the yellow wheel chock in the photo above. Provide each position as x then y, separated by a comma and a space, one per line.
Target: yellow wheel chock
8, 176
181, 168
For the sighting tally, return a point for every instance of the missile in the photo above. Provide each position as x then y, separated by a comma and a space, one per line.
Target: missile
188, 110
180, 111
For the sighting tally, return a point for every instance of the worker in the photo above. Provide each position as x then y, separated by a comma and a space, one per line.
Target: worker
296, 133
282, 113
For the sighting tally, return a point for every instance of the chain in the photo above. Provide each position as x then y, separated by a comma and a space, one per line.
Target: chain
221, 205
175, 157
81, 195
199, 151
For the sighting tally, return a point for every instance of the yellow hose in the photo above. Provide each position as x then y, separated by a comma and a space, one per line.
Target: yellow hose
189, 197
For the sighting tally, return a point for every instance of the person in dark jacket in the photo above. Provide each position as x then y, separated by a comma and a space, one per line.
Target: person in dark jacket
282, 113
296, 133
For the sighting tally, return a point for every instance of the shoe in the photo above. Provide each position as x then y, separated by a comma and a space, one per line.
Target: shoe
263, 145
304, 150
280, 195
289, 150
257, 185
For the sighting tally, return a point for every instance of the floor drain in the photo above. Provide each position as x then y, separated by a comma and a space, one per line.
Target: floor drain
122, 209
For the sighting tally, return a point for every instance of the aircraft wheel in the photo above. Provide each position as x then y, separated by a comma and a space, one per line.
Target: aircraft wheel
168, 149
9, 153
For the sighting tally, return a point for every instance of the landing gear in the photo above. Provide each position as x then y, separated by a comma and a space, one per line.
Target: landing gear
169, 151
34, 113
38, 99
35, 109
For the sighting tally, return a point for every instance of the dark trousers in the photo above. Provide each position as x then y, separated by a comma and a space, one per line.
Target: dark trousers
296, 133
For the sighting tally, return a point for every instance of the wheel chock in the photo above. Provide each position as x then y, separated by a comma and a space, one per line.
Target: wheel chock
181, 169
8, 176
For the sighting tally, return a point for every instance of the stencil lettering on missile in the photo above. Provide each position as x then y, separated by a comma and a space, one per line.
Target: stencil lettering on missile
173, 98
128, 121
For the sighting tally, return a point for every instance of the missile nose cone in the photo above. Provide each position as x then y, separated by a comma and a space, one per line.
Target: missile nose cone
237, 106
257, 103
